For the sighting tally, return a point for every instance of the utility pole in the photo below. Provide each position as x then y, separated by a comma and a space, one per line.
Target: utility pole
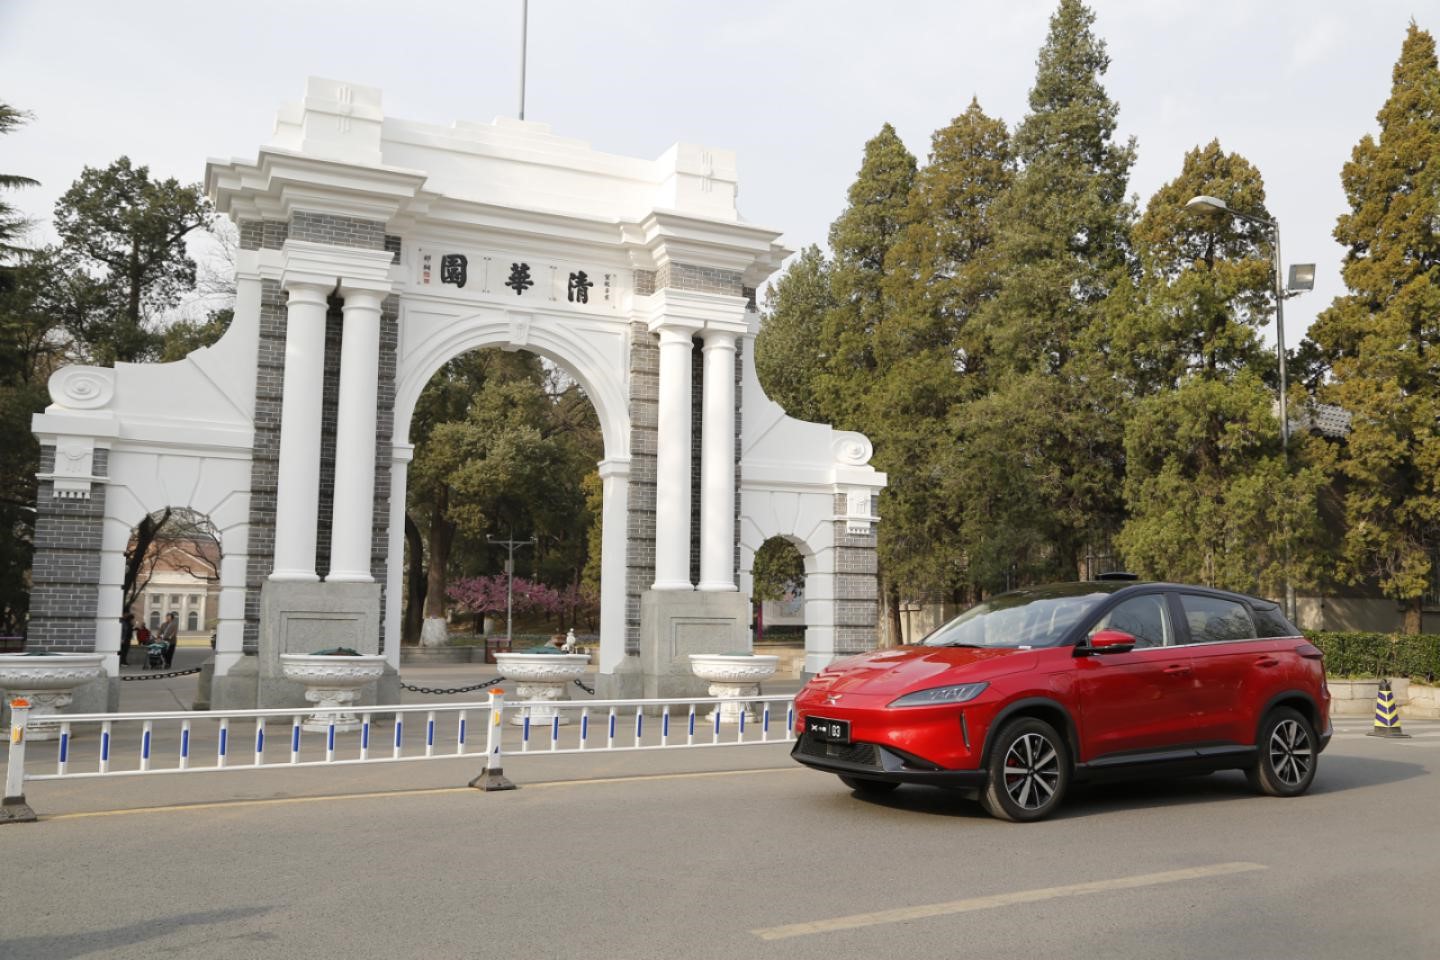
510, 546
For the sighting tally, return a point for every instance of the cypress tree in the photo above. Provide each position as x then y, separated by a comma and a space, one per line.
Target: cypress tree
1382, 340
788, 350
860, 241
1042, 451
938, 274
1209, 494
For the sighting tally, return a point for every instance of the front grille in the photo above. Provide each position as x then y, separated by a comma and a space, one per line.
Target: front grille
860, 754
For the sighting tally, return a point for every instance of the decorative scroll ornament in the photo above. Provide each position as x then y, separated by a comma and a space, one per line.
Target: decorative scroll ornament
852, 449
82, 388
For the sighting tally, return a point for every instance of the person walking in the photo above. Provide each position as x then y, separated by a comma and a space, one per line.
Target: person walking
168, 631
127, 633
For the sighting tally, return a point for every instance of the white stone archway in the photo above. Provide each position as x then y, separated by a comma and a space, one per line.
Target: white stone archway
432, 337
374, 249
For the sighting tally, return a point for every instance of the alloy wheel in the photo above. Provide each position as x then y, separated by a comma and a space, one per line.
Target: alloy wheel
1032, 771
1290, 752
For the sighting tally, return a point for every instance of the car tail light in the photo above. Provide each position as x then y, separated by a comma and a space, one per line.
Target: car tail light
1310, 652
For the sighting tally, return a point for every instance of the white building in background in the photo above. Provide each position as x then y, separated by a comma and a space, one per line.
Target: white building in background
376, 249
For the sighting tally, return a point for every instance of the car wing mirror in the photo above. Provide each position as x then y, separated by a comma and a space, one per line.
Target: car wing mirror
1111, 641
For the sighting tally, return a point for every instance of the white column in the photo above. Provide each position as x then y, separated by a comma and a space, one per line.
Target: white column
352, 530
297, 493
615, 480
717, 464
672, 463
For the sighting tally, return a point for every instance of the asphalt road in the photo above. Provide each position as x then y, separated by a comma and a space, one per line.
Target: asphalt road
723, 853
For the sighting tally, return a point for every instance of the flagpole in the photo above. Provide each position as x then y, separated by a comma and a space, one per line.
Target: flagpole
524, 23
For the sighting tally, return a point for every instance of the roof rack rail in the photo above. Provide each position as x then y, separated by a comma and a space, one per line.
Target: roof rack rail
1117, 575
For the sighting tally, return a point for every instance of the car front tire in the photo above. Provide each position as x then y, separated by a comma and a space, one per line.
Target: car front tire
1287, 750
869, 788
1029, 771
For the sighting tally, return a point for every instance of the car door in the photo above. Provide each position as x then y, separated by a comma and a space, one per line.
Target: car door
1226, 656
1140, 701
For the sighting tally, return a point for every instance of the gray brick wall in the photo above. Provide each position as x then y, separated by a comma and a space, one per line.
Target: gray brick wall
683, 276
640, 523
263, 234
265, 456
65, 573
329, 415
857, 587
644, 283
341, 231
384, 435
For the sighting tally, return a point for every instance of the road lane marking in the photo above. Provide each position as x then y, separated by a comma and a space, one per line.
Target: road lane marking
972, 904
422, 792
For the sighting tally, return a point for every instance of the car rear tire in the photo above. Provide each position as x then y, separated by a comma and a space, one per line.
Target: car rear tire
1287, 751
1029, 771
869, 788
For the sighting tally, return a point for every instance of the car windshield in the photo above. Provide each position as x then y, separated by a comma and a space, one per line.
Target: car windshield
1019, 619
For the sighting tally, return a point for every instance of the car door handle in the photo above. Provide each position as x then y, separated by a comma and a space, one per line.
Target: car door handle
1178, 670
1267, 662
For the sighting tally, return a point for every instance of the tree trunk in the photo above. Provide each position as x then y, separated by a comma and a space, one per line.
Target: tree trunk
416, 583
892, 600
1413, 611
442, 534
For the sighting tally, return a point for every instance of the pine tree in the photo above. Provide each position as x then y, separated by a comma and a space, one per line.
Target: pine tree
1382, 339
1053, 418
860, 241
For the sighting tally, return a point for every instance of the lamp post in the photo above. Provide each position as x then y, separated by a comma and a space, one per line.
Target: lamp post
1302, 277
510, 546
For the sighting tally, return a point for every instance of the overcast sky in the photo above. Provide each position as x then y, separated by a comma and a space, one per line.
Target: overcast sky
794, 86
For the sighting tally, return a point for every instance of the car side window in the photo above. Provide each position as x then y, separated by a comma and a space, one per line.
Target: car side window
1270, 622
1213, 620
1145, 618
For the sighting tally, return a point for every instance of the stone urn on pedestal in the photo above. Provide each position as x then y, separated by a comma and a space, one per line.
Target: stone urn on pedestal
48, 681
332, 679
544, 675
733, 676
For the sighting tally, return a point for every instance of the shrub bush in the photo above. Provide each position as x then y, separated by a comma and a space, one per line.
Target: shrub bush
1379, 654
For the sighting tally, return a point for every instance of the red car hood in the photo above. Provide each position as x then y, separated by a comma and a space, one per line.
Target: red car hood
902, 669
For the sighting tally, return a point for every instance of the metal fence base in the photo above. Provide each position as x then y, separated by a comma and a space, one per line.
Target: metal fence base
16, 810
492, 780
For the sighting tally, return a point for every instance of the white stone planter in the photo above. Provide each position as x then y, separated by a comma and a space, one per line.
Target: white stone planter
49, 683
733, 677
541, 676
1353, 698
1424, 702
331, 682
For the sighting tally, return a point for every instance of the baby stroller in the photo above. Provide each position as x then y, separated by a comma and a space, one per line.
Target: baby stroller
155, 655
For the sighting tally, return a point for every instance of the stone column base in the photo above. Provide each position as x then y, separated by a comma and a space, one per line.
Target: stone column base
677, 623
300, 617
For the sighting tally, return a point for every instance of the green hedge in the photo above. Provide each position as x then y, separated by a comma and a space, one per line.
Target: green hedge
1379, 654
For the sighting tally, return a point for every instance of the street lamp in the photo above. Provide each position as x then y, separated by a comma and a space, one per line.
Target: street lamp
510, 546
1302, 277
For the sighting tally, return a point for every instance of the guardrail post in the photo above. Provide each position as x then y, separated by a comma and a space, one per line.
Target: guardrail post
14, 809
493, 778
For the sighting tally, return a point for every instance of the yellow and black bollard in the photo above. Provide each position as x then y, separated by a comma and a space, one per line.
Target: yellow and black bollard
1387, 714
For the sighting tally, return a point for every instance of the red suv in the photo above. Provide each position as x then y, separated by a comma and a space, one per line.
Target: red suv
1033, 689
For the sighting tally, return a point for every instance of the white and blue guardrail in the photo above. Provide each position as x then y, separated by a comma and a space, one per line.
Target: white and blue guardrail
99, 745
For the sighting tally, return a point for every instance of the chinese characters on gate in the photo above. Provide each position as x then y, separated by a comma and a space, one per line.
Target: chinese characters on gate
454, 270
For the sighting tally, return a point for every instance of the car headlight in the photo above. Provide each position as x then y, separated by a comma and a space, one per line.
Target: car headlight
956, 693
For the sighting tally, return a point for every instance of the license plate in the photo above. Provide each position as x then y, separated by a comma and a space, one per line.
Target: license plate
830, 731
